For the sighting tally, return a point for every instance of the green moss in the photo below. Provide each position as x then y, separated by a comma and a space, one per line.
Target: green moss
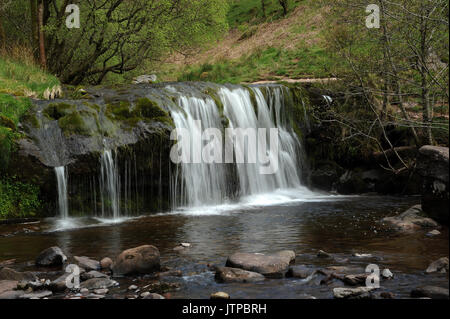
213, 94
58, 110
252, 98
148, 109
7, 122
31, 119
18, 199
79, 123
119, 111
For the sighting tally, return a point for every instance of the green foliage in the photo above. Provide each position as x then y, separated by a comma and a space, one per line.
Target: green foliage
58, 110
18, 199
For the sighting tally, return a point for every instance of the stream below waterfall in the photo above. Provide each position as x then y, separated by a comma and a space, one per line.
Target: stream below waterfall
339, 225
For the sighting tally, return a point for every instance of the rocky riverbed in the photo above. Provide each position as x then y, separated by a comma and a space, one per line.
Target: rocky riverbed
318, 250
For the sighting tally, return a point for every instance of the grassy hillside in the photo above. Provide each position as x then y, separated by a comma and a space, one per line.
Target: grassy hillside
258, 47
18, 82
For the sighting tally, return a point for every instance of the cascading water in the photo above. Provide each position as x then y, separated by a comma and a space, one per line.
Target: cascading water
109, 185
209, 184
61, 177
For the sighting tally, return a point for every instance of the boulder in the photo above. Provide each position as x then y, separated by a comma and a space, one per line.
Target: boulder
411, 220
228, 274
106, 263
140, 260
299, 271
87, 263
52, 256
352, 293
11, 274
440, 265
98, 283
274, 266
432, 165
430, 292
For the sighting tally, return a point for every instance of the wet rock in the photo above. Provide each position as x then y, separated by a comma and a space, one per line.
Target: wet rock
323, 254
84, 292
8, 262
92, 274
6, 285
351, 293
101, 291
106, 263
387, 274
162, 287
362, 255
355, 280
95, 296
220, 295
11, 274
87, 263
171, 273
98, 283
299, 271
153, 296
146, 78
139, 260
37, 295
274, 266
430, 292
228, 274
432, 165
440, 265
433, 233
59, 284
133, 287
410, 220
37, 284
52, 256
387, 295
12, 294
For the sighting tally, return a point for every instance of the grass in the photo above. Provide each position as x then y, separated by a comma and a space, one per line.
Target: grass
18, 199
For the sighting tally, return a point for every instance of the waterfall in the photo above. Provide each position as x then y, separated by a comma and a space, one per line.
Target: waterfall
61, 177
196, 184
109, 185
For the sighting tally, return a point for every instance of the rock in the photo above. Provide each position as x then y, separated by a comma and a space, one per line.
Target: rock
171, 273
274, 266
106, 263
11, 294
146, 78
360, 292
410, 220
37, 285
430, 292
95, 296
98, 283
440, 265
323, 254
101, 291
37, 295
355, 280
299, 271
153, 296
387, 274
362, 255
432, 165
92, 274
220, 295
8, 262
52, 256
87, 263
6, 285
59, 284
185, 245
387, 295
133, 287
11, 274
227, 275
139, 260
433, 233
144, 294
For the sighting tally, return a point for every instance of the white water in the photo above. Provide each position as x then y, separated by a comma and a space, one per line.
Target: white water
63, 204
208, 185
109, 185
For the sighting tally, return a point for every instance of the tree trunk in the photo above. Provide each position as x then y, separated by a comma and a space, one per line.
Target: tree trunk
284, 4
43, 59
263, 7
34, 28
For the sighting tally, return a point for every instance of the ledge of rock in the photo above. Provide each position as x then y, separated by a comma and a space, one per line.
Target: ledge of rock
228, 274
432, 165
410, 220
274, 265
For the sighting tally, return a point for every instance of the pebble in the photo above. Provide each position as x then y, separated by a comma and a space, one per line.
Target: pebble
133, 287
387, 274
220, 295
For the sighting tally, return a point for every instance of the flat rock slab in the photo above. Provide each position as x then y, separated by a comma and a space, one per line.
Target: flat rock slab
350, 293
37, 295
11, 274
12, 294
93, 274
440, 265
273, 266
411, 220
7, 285
430, 292
87, 263
228, 274
299, 271
98, 283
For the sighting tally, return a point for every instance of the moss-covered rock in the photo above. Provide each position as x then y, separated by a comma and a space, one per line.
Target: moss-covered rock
58, 110
79, 123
